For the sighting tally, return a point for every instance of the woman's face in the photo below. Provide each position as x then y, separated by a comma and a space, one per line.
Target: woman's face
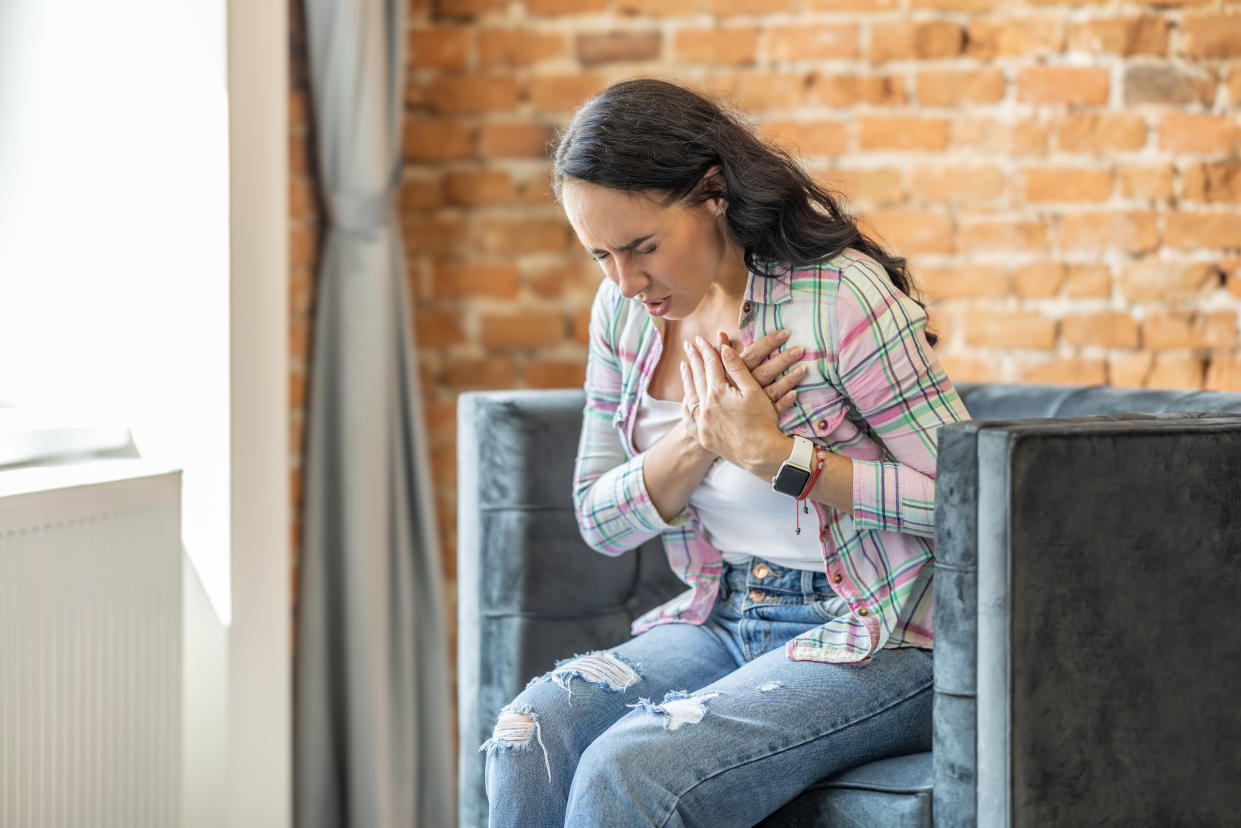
668, 258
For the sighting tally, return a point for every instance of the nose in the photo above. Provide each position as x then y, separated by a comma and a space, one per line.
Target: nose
629, 278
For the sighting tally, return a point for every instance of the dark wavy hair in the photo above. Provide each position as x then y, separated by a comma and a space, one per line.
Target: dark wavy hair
656, 136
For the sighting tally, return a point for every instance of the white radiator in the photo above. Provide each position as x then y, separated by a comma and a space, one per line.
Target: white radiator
90, 646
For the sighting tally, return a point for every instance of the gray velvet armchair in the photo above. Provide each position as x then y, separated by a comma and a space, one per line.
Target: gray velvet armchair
1087, 593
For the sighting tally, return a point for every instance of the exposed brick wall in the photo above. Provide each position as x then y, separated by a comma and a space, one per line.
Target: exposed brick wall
1064, 177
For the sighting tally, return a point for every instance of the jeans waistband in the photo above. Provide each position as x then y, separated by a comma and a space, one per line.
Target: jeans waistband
756, 573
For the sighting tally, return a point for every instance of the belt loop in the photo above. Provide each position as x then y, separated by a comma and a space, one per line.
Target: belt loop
808, 593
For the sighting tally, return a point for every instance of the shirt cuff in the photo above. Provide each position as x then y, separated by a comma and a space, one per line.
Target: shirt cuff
892, 497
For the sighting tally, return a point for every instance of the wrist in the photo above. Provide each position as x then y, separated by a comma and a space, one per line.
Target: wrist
770, 451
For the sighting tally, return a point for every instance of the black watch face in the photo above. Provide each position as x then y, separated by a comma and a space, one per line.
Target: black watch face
790, 480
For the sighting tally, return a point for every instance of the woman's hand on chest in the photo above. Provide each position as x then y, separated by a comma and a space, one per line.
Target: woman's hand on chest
732, 408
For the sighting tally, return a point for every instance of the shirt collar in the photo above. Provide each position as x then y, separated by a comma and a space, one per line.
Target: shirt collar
769, 283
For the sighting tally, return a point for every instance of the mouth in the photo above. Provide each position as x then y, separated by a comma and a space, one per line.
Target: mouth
658, 307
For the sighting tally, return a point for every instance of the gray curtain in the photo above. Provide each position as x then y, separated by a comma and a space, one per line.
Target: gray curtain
371, 698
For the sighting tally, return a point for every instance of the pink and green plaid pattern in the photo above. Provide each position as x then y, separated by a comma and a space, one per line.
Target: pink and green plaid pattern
874, 391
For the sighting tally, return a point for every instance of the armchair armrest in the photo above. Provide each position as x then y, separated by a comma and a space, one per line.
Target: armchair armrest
1086, 620
529, 590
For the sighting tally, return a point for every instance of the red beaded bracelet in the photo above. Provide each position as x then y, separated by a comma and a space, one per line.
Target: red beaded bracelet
820, 456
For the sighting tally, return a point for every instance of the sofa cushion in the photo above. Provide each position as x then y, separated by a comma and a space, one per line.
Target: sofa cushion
892, 792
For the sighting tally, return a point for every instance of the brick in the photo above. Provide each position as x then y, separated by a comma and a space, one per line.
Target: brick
517, 140
594, 49
303, 246
960, 87
1147, 35
1129, 370
1107, 329
916, 41
441, 423
968, 369
812, 42
1087, 281
957, 184
1216, 181
1188, 329
849, 5
299, 159
736, 46
755, 91
556, 374
1176, 372
440, 47
478, 188
909, 231
436, 328
851, 90
1184, 132
523, 329
1223, 374
957, 5
466, 94
1026, 138
561, 7
975, 235
808, 137
1034, 36
1067, 184
518, 47
477, 374
877, 133
1186, 229
466, 280
1039, 280
661, 8
1234, 86
872, 185
962, 282
1068, 371
1131, 232
299, 341
301, 292
437, 141
1073, 85
559, 281
1153, 183
465, 9
734, 8
1100, 132
1009, 329
1159, 281
299, 108
1211, 36
1169, 84
434, 236
420, 193
536, 191
561, 93
515, 236
581, 327
301, 198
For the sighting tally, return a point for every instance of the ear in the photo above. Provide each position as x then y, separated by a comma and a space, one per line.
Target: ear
713, 182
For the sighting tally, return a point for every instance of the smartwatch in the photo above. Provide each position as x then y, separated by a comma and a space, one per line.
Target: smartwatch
794, 473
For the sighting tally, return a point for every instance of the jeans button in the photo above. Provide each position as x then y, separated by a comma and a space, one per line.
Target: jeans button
761, 570
757, 595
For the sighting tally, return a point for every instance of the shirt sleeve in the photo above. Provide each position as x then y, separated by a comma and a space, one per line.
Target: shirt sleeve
895, 381
614, 510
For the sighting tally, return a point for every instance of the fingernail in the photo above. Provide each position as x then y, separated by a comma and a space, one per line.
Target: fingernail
797, 350
685, 345
700, 340
784, 334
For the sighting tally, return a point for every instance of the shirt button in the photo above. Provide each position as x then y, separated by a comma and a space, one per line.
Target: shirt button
837, 577
863, 612
745, 308
757, 595
761, 570
821, 425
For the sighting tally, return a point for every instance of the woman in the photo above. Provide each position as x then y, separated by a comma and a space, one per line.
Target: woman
761, 393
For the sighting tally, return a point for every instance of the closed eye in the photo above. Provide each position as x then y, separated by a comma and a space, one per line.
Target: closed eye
648, 251
600, 257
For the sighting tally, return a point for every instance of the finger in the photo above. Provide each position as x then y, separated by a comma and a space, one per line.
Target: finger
717, 377
698, 373
688, 395
786, 402
759, 349
767, 372
786, 383
737, 371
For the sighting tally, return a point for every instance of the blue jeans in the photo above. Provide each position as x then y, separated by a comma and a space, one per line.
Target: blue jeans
707, 725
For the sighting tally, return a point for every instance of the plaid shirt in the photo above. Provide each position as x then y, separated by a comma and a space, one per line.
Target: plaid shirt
874, 391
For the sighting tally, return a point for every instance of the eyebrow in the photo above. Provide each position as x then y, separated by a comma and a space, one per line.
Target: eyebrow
623, 247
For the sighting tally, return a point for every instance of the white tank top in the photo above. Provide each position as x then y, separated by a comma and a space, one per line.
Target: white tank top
740, 514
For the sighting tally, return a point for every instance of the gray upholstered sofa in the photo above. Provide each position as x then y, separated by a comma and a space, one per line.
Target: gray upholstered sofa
1087, 606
